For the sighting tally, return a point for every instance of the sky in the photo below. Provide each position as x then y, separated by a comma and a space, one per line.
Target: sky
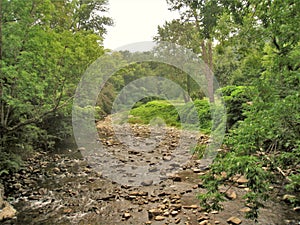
135, 21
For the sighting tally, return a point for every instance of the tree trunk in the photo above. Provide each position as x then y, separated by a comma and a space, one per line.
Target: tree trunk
207, 58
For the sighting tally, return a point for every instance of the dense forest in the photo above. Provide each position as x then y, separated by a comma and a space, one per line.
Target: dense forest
252, 47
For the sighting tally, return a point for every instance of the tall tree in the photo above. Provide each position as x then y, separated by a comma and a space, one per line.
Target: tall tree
198, 20
46, 47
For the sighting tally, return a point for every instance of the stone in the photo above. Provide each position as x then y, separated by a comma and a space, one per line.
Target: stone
56, 170
217, 222
159, 218
288, 198
177, 220
296, 209
174, 213
147, 183
176, 206
154, 212
176, 178
167, 158
7, 212
196, 170
202, 218
242, 180
204, 222
231, 195
126, 215
166, 213
245, 210
138, 193
67, 210
190, 206
234, 220
80, 149
175, 196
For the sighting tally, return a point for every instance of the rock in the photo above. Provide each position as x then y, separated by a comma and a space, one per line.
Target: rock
175, 177
231, 195
167, 158
7, 212
166, 214
190, 206
245, 210
175, 196
224, 174
242, 180
126, 215
288, 198
56, 170
68, 210
177, 220
175, 206
154, 212
217, 222
159, 218
234, 220
174, 213
196, 170
147, 183
296, 209
2, 203
202, 218
138, 193
80, 149
204, 222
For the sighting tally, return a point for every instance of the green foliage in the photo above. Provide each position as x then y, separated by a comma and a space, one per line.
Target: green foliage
258, 52
170, 114
9, 163
44, 51
237, 100
294, 185
233, 164
199, 150
153, 109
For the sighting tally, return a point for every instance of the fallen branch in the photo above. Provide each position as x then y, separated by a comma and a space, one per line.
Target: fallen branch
278, 168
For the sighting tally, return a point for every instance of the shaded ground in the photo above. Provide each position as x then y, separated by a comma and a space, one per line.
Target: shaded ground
62, 188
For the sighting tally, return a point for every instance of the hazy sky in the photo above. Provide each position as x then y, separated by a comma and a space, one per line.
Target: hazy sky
135, 21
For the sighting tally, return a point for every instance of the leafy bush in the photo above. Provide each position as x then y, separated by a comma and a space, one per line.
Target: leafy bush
171, 114
237, 99
9, 162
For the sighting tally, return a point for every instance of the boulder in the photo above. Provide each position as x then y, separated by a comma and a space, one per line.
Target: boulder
6, 210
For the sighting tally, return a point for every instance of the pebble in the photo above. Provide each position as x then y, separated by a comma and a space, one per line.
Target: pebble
177, 220
288, 198
147, 183
296, 209
202, 218
204, 222
159, 218
234, 220
190, 206
245, 210
174, 213
126, 215
231, 195
242, 180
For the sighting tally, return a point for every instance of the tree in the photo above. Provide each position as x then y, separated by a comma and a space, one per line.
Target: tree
43, 57
264, 145
195, 30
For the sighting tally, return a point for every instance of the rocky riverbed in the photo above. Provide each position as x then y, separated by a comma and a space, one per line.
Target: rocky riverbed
65, 188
